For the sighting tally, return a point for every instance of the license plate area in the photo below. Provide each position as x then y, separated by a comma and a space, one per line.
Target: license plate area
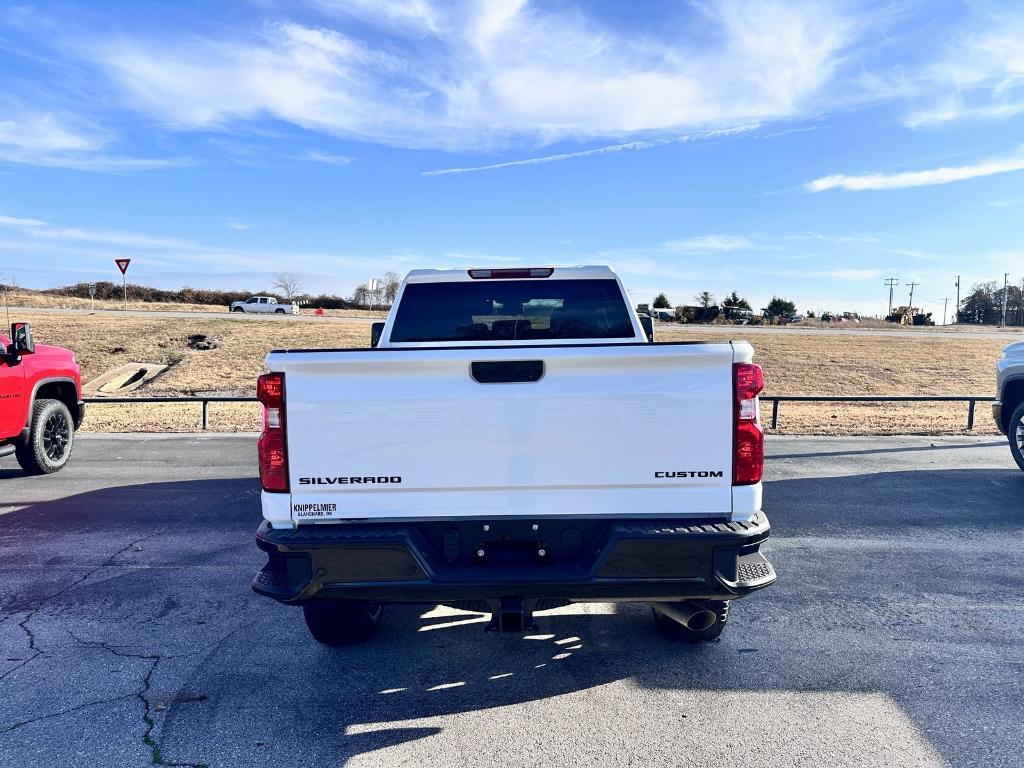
510, 543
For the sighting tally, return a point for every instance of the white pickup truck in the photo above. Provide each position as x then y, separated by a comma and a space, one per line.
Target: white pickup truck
1008, 408
264, 304
484, 454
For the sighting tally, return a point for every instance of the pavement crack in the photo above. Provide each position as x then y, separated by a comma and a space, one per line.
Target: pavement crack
33, 649
156, 755
110, 560
51, 715
126, 654
105, 564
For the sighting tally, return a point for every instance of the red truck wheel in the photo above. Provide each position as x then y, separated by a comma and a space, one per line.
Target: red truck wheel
50, 439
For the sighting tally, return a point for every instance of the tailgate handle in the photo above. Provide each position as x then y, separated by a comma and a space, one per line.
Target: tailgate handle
507, 371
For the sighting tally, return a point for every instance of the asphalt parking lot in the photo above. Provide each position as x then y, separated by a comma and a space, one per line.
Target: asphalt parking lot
129, 635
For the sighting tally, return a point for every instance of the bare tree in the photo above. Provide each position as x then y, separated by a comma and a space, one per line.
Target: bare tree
289, 284
392, 282
705, 299
361, 295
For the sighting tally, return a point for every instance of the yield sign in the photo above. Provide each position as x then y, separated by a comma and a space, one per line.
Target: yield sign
122, 264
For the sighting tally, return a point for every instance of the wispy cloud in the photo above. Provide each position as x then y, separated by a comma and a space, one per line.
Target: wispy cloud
458, 258
835, 273
629, 146
788, 131
829, 238
415, 15
43, 139
323, 157
944, 175
1010, 260
59, 250
848, 273
705, 244
657, 272
1006, 203
915, 254
44, 231
488, 75
233, 223
954, 108
45, 133
12, 221
979, 76
95, 163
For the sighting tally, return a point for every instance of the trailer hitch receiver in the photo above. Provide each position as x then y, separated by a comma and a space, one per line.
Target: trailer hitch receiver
511, 614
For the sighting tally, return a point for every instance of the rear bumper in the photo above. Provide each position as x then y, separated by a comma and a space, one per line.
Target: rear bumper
567, 560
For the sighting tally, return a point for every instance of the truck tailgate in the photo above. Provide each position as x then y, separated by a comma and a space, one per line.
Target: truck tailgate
620, 430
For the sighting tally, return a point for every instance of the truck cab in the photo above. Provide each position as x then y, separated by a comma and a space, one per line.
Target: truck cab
482, 454
40, 401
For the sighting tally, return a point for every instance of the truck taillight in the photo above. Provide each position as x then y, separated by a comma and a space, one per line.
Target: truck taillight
273, 446
270, 389
748, 437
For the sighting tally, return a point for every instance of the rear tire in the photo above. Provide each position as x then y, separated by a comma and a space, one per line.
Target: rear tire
1015, 432
343, 622
51, 436
673, 630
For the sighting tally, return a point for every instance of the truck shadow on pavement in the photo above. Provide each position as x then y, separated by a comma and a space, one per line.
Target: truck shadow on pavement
895, 630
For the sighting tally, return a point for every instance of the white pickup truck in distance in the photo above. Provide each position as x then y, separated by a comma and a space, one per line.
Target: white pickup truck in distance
264, 304
483, 455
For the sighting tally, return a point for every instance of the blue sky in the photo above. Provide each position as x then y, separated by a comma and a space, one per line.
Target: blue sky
803, 149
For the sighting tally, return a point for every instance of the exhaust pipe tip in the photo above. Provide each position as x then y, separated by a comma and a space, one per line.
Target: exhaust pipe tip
702, 620
692, 615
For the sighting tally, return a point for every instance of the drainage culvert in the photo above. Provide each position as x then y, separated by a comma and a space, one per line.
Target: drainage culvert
124, 378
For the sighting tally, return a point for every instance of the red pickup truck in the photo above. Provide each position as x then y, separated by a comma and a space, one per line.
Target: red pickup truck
40, 401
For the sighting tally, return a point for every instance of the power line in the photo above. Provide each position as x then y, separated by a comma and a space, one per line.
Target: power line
1006, 288
958, 298
912, 294
891, 282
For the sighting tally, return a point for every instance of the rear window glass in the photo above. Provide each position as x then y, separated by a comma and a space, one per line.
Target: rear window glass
508, 310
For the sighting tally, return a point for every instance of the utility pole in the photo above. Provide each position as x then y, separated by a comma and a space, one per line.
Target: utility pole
945, 303
1006, 288
912, 295
957, 313
891, 282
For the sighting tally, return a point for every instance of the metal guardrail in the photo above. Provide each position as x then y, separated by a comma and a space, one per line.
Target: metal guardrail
971, 400
204, 399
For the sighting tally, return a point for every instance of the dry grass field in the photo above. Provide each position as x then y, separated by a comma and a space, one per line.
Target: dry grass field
33, 299
794, 364
817, 364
